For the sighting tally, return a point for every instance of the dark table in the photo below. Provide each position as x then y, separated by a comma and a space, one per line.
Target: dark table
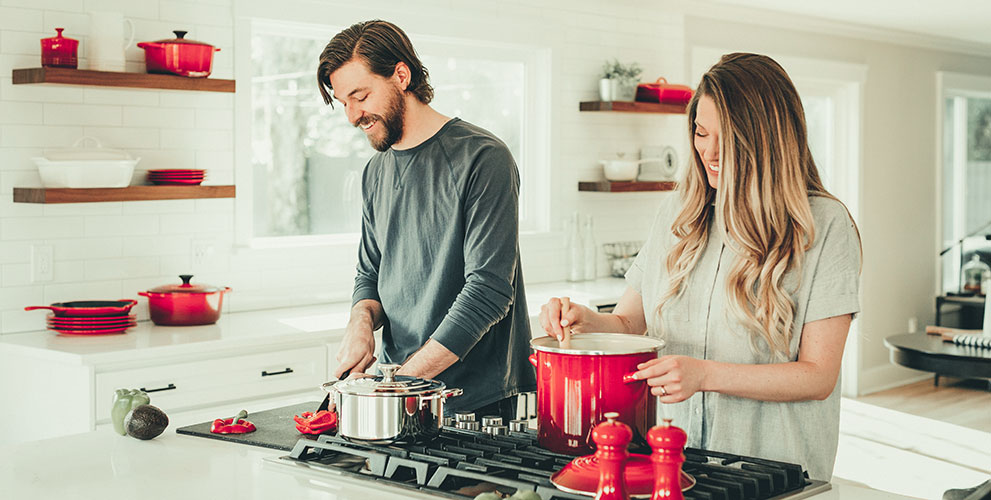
929, 353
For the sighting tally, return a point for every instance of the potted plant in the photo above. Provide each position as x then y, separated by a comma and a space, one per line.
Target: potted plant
619, 81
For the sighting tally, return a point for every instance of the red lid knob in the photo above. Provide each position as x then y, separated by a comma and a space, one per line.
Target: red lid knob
612, 432
667, 436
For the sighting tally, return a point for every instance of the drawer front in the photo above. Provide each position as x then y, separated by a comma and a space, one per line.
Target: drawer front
180, 386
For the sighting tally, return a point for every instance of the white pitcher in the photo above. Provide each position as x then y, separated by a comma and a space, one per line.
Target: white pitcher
106, 41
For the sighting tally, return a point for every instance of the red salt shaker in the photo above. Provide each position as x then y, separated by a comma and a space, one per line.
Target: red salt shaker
611, 439
59, 51
668, 443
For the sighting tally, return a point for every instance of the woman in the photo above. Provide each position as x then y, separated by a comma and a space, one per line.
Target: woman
750, 274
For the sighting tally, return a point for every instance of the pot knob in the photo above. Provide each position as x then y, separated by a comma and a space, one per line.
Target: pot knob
179, 34
388, 372
668, 443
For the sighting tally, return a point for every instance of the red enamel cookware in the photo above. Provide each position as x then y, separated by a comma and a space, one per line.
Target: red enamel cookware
577, 386
179, 56
186, 304
89, 307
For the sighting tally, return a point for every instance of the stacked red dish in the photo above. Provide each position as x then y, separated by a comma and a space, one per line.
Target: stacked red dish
188, 176
90, 317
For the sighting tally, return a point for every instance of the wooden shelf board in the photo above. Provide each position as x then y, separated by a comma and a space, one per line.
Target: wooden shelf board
68, 76
633, 107
130, 193
626, 187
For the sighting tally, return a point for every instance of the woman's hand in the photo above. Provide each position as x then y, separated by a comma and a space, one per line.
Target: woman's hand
577, 317
673, 378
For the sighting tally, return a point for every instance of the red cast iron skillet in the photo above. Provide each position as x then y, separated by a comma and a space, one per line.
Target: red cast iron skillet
89, 307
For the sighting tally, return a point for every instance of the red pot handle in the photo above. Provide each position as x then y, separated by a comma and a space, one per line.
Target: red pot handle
533, 360
628, 378
144, 294
31, 308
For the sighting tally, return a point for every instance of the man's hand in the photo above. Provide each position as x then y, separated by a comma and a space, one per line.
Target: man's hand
357, 351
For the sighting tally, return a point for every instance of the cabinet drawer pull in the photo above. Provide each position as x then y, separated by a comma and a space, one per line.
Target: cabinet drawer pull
266, 373
168, 388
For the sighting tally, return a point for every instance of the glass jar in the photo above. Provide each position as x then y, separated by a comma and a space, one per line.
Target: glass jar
972, 274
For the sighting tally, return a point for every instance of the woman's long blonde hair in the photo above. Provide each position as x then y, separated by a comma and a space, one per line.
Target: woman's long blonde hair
766, 177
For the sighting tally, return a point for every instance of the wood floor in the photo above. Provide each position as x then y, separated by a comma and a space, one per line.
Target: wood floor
966, 403
917, 440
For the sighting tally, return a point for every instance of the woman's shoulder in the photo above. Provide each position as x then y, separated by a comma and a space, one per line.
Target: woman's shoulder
827, 210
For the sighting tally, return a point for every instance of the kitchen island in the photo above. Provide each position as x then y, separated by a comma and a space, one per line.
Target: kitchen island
102, 465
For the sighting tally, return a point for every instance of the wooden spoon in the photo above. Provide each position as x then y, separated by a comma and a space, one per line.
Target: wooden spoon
565, 341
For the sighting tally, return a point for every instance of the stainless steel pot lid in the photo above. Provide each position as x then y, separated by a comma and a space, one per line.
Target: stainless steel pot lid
600, 343
387, 384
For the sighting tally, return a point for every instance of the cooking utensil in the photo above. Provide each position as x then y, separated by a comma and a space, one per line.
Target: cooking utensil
566, 337
663, 92
179, 56
89, 307
389, 408
185, 304
577, 386
326, 399
59, 51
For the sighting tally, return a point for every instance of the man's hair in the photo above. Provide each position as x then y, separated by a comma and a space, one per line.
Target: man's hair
381, 45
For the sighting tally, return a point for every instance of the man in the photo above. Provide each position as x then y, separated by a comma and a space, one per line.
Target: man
439, 261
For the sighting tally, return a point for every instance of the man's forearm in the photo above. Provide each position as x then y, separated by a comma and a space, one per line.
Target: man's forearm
368, 310
429, 361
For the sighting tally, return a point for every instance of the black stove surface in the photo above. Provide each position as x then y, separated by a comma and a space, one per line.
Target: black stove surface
460, 464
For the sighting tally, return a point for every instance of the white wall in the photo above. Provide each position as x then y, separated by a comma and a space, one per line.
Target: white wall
114, 250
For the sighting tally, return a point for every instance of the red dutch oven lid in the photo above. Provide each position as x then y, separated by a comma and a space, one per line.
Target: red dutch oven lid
186, 287
180, 39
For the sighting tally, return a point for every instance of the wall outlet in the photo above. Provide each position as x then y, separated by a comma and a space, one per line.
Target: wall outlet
42, 263
913, 325
201, 253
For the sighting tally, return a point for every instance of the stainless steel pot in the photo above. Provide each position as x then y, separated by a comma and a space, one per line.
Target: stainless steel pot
389, 408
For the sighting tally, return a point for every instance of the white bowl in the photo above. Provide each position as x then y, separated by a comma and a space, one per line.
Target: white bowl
85, 173
620, 170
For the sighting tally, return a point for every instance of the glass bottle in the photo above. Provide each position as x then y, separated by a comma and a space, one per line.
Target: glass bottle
971, 275
575, 249
591, 255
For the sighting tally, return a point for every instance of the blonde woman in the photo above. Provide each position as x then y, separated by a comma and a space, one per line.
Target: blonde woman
751, 276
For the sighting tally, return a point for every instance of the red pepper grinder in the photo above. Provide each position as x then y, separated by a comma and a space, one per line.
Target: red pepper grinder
611, 439
59, 51
668, 443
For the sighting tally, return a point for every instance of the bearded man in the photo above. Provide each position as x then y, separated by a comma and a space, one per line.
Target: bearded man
439, 260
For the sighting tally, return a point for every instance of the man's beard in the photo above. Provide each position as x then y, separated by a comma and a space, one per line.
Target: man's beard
392, 122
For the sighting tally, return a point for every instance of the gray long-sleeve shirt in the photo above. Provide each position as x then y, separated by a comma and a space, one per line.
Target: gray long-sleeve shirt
440, 251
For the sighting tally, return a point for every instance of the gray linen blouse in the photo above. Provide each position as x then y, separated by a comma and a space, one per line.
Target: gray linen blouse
698, 324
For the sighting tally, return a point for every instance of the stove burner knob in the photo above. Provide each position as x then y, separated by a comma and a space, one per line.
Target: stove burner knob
471, 425
518, 425
490, 420
499, 430
448, 421
464, 416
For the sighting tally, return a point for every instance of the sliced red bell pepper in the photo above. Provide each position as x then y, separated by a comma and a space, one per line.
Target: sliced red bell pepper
236, 425
316, 423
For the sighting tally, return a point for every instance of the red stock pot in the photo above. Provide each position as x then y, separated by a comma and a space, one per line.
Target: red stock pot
185, 304
179, 56
578, 385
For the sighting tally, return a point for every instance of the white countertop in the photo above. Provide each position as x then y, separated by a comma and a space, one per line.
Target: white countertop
244, 329
102, 465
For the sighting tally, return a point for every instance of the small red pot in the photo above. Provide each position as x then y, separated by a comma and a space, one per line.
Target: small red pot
179, 56
59, 51
577, 386
185, 304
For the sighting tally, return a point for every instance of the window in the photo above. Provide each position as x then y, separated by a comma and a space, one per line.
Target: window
965, 173
307, 160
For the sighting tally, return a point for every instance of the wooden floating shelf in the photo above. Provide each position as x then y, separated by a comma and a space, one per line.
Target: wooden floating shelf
68, 76
633, 107
626, 187
130, 193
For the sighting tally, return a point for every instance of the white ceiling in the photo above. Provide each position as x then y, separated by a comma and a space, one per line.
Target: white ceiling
965, 20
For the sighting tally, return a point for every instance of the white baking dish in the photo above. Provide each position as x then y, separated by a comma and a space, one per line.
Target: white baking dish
79, 167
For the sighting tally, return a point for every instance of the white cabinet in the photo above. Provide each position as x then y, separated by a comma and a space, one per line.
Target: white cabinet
54, 385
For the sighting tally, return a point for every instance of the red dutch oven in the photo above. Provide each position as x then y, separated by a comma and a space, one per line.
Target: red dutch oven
185, 304
179, 56
577, 386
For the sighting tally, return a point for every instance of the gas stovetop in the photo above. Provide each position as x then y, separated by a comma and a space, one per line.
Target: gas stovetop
461, 463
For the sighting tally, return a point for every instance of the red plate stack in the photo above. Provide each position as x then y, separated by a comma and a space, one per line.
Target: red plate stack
188, 176
91, 325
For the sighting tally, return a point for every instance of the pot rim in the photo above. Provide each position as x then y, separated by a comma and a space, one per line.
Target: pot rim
649, 344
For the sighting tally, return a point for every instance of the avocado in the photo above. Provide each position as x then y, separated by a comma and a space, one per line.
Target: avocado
145, 422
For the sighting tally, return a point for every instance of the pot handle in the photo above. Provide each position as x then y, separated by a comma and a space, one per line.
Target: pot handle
31, 308
533, 359
446, 393
144, 294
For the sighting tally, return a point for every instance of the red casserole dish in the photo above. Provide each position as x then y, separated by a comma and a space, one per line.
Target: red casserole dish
179, 56
663, 92
185, 304
89, 307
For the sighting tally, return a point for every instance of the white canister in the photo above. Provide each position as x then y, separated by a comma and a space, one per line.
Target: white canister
106, 41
